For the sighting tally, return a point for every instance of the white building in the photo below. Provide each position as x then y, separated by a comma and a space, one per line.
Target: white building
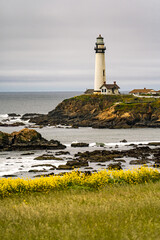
109, 89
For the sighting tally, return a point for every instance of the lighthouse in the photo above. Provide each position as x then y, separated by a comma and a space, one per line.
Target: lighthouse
100, 71
100, 85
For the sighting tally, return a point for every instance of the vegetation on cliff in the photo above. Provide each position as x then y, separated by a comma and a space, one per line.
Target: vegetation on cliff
103, 111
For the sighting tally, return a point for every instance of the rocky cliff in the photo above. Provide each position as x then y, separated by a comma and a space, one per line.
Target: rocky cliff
98, 111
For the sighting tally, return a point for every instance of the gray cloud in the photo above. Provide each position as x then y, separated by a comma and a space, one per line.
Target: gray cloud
48, 44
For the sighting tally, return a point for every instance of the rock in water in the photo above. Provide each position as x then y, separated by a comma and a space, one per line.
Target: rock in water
28, 116
124, 141
13, 115
114, 166
27, 139
80, 145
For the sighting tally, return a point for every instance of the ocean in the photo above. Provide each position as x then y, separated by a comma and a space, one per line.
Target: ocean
31, 102
13, 163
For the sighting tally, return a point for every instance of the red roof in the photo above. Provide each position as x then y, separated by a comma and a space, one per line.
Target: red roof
144, 90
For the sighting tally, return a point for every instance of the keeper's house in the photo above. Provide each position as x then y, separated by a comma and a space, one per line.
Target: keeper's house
144, 91
110, 89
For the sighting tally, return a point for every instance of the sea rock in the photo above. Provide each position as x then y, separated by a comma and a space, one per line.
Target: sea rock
15, 124
154, 143
35, 170
100, 164
48, 157
44, 165
27, 154
132, 145
5, 120
119, 160
100, 144
77, 163
27, 139
80, 145
13, 115
124, 141
9, 176
28, 116
138, 152
52, 168
114, 166
99, 155
62, 153
65, 167
88, 168
138, 162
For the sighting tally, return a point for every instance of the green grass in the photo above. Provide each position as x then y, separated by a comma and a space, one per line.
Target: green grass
124, 103
135, 107
114, 98
127, 212
111, 99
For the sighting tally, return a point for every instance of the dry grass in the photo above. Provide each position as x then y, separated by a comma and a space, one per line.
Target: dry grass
126, 212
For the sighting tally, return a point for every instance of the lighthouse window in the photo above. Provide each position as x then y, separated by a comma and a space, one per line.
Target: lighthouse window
103, 73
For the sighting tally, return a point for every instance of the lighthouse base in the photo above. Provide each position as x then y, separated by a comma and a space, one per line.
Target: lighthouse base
97, 92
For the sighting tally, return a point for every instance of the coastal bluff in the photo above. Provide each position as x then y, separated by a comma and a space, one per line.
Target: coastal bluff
103, 111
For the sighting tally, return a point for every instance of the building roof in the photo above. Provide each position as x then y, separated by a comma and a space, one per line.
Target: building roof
110, 86
144, 90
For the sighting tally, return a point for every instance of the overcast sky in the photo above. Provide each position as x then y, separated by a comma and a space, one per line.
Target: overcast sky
48, 45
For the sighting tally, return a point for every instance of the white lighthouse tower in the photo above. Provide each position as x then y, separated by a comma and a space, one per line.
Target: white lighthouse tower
100, 72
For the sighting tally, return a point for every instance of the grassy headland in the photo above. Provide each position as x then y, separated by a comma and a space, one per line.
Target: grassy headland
116, 212
103, 111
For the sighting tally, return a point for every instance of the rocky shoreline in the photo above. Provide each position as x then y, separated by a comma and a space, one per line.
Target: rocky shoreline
45, 158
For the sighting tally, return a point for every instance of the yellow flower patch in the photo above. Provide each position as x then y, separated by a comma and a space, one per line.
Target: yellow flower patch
75, 178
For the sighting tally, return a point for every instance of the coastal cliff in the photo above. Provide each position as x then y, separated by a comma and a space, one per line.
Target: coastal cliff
102, 111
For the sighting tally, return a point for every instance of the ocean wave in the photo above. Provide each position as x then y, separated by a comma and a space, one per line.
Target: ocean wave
94, 144
3, 115
113, 144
